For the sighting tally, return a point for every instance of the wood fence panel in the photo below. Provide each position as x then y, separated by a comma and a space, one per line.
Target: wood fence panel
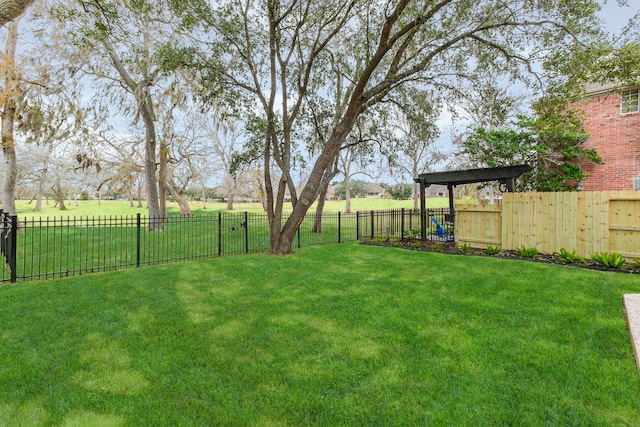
624, 224
508, 223
478, 225
587, 222
581, 217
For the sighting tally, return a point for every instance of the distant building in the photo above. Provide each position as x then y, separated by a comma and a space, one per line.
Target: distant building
374, 191
613, 123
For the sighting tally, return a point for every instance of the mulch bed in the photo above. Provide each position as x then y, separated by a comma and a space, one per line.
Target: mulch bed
450, 248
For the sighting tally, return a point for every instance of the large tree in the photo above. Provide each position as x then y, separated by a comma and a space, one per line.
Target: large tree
415, 132
116, 42
9, 96
272, 51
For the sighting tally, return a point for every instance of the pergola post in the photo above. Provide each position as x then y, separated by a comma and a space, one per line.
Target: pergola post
423, 212
450, 190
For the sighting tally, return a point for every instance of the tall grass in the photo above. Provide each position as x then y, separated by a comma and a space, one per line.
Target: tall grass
333, 335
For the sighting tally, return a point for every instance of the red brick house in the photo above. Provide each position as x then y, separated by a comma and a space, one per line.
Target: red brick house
613, 123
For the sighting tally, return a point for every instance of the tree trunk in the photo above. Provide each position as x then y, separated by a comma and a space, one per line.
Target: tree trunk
183, 203
59, 195
143, 97
263, 198
347, 193
230, 201
8, 116
317, 222
163, 179
140, 195
282, 236
156, 216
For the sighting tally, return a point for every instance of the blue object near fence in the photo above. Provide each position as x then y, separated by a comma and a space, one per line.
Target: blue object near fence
440, 229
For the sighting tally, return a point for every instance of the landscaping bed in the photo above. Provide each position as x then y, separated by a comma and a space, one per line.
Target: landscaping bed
450, 248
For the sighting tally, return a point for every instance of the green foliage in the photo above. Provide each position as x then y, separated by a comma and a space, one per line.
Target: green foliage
621, 64
551, 142
357, 189
415, 245
569, 257
492, 250
412, 233
399, 191
437, 247
464, 249
527, 252
84, 195
609, 260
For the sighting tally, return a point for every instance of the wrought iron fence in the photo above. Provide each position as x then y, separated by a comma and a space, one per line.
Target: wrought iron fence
57, 247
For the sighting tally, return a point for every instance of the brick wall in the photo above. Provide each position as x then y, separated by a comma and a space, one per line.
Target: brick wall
616, 138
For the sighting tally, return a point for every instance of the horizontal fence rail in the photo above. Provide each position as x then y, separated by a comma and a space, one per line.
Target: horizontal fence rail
42, 248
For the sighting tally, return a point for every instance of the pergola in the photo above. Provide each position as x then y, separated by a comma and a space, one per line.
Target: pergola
504, 175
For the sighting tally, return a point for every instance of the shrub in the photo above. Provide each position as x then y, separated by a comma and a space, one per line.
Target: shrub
464, 249
412, 234
416, 245
610, 260
569, 257
492, 250
379, 239
527, 252
438, 247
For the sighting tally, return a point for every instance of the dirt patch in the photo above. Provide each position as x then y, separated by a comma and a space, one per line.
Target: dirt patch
449, 248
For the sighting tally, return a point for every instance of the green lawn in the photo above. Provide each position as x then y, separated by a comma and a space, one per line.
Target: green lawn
122, 207
334, 335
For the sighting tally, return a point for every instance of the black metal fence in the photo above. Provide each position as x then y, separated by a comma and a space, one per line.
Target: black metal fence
57, 247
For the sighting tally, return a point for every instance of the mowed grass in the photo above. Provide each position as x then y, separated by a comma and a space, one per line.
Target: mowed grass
122, 207
333, 335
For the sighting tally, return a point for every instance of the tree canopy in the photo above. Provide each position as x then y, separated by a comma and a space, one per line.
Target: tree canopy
551, 142
273, 56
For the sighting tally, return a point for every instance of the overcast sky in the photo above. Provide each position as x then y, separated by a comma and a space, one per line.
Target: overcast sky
616, 17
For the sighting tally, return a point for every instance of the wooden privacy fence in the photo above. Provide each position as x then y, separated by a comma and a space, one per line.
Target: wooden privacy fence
587, 222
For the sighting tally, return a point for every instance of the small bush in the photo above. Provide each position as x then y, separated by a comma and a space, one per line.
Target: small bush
609, 260
464, 249
569, 257
527, 252
438, 247
415, 245
412, 234
492, 250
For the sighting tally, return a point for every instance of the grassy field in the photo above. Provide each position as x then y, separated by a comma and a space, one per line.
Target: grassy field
122, 207
333, 335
